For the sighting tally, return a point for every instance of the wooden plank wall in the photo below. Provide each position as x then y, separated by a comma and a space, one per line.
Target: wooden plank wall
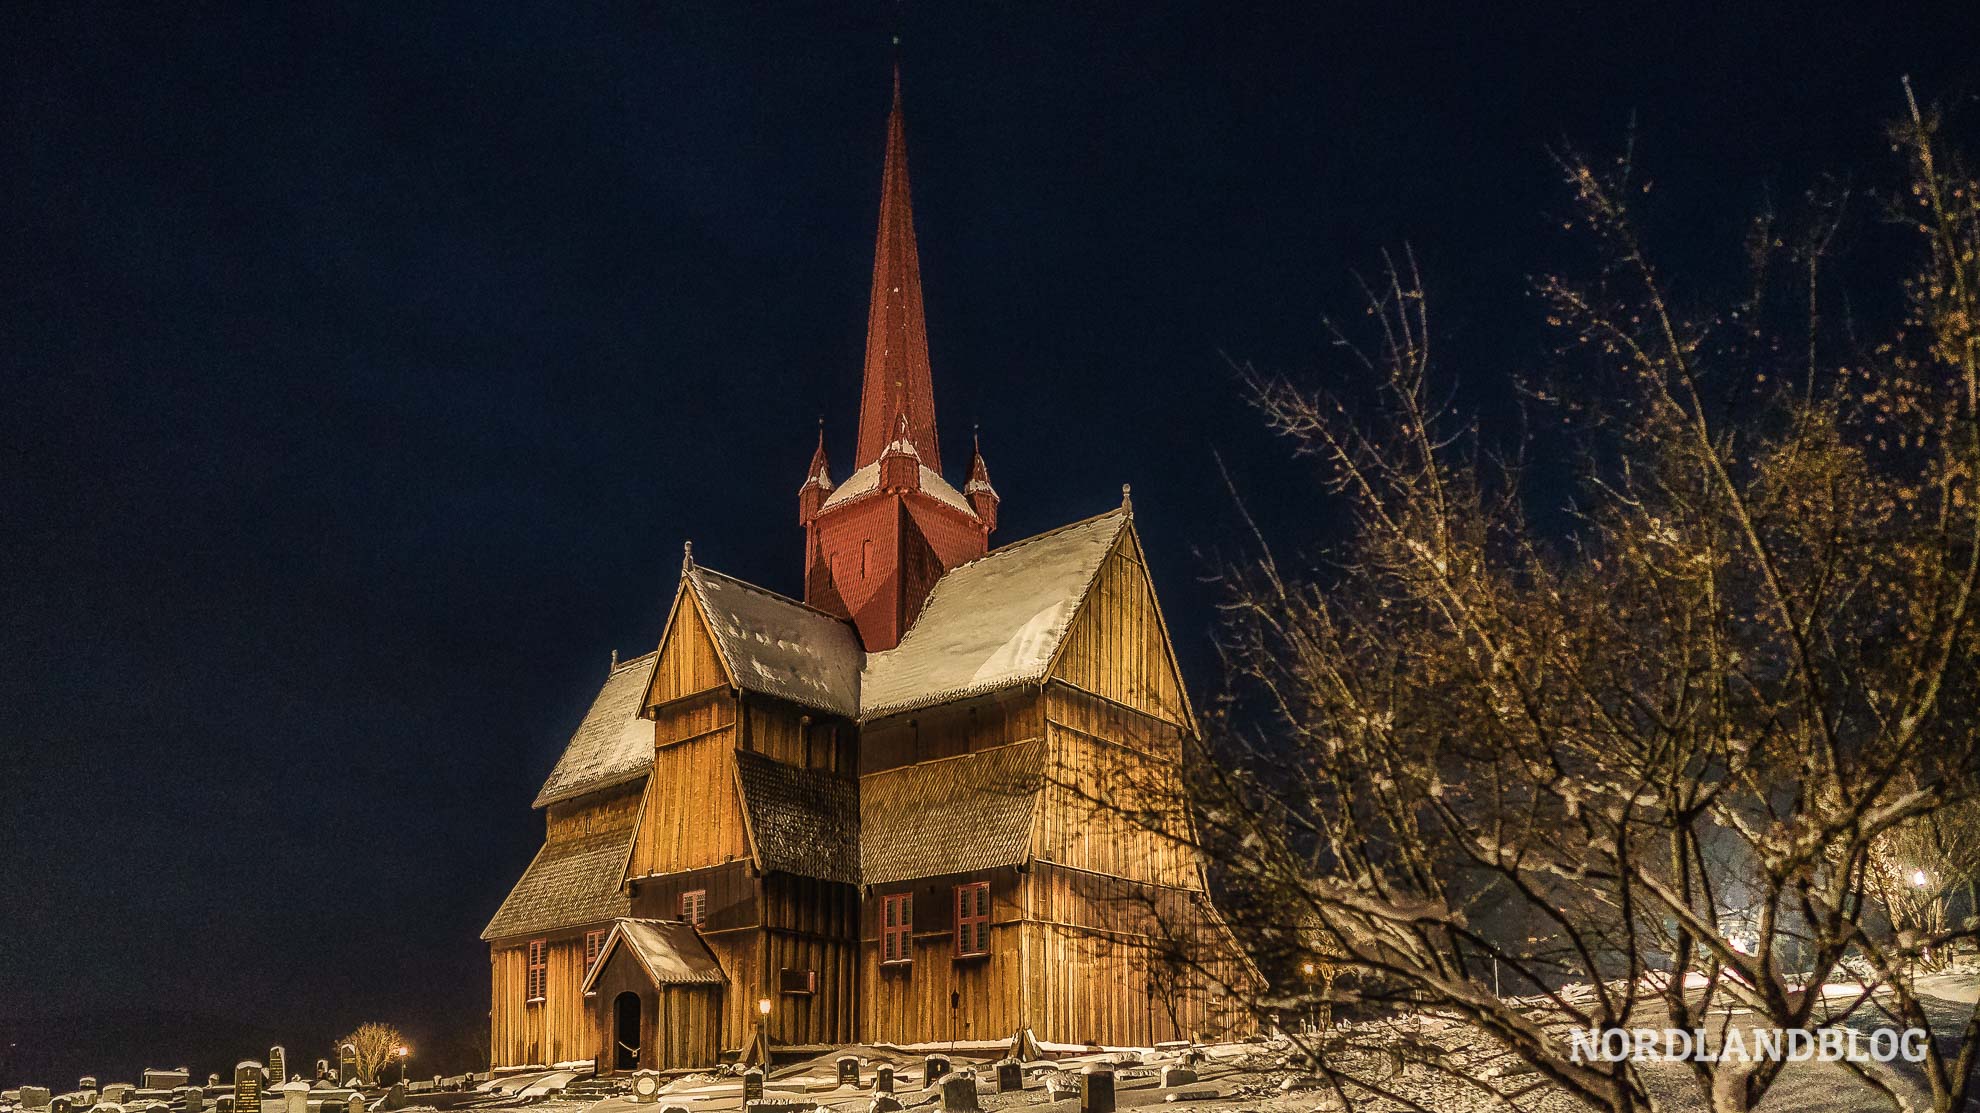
1113, 798
693, 817
939, 997
613, 809
1117, 647
560, 1028
946, 731
811, 925
796, 736
1126, 989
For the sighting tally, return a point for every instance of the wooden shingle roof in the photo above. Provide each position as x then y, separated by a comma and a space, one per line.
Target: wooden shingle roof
777, 645
670, 951
568, 884
800, 821
953, 815
612, 745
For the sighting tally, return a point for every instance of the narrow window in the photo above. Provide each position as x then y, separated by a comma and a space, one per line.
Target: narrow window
539, 969
865, 549
973, 919
694, 906
593, 942
897, 927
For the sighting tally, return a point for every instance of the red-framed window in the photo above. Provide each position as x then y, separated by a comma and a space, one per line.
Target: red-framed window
973, 919
594, 941
694, 906
897, 927
538, 974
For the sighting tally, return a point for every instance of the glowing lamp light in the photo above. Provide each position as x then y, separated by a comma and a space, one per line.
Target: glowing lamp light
1918, 878
402, 1051
1306, 968
763, 1005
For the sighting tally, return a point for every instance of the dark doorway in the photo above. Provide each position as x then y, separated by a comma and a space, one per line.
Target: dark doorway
625, 1031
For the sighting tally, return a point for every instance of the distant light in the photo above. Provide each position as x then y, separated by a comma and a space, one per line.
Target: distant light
763, 1005
1306, 968
1918, 878
402, 1052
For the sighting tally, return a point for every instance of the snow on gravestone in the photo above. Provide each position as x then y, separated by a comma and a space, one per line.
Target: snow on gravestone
1096, 1089
35, 1097
278, 1065
247, 1086
883, 1079
848, 1070
933, 1068
959, 1093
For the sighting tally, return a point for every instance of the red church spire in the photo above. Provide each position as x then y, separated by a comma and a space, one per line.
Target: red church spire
898, 381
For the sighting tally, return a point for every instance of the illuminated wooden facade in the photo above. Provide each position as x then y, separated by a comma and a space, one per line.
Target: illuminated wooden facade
896, 812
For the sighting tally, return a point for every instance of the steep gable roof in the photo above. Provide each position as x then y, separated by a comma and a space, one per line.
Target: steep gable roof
992, 623
778, 646
670, 951
612, 745
953, 815
800, 821
567, 884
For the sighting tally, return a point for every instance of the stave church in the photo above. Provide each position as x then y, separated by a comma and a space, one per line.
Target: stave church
912, 808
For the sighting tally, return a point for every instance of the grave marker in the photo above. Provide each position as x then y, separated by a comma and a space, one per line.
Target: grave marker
959, 1093
848, 1070
933, 1068
752, 1085
1096, 1089
247, 1087
278, 1065
883, 1079
1010, 1076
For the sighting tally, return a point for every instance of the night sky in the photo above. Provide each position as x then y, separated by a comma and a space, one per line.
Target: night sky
363, 368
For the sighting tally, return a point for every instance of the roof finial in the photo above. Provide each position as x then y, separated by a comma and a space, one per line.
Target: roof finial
1127, 499
687, 553
615, 658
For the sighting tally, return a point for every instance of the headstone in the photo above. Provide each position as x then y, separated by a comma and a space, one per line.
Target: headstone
1192, 1057
933, 1068
1010, 1076
959, 1092
295, 1095
86, 1082
1096, 1089
884, 1103
278, 1065
354, 1103
347, 1072
223, 1104
62, 1103
848, 1070
247, 1087
883, 1079
164, 1079
1177, 1076
395, 1097
35, 1097
752, 1085
192, 1099
213, 1078
646, 1087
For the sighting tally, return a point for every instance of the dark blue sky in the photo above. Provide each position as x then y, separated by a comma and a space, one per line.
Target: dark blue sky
365, 367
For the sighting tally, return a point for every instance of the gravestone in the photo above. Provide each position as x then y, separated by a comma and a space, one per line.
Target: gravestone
354, 1103
247, 1087
884, 1103
164, 1079
1096, 1089
213, 1079
752, 1085
395, 1097
223, 1104
646, 1087
959, 1093
86, 1082
347, 1073
35, 1097
933, 1068
62, 1104
883, 1079
295, 1096
192, 1099
848, 1070
1177, 1076
278, 1065
323, 1069
1010, 1076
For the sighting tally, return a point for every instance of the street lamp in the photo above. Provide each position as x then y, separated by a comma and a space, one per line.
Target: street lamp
1919, 879
403, 1049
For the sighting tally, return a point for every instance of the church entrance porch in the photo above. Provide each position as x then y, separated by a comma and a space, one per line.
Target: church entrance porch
657, 991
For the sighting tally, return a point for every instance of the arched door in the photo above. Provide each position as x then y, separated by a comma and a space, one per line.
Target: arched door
625, 1031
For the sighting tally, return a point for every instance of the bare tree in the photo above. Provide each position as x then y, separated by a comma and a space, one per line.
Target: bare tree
1648, 757
377, 1046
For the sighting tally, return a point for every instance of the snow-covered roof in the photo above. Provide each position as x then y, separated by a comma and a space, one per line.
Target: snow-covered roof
569, 883
778, 646
992, 623
670, 951
612, 745
866, 480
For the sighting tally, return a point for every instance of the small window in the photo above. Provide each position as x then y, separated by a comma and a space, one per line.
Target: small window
538, 972
973, 919
694, 906
594, 941
797, 983
865, 550
897, 927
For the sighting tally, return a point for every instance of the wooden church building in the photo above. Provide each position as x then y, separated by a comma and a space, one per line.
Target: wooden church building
868, 816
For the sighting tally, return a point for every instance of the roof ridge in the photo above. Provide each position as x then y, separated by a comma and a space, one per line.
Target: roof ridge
629, 662
761, 590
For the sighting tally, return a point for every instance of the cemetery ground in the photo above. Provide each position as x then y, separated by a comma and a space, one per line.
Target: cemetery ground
1424, 1061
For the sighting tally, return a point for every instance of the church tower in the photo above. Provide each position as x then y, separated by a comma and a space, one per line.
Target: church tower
876, 543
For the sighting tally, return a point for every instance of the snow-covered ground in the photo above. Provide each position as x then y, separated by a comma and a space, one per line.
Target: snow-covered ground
1424, 1062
